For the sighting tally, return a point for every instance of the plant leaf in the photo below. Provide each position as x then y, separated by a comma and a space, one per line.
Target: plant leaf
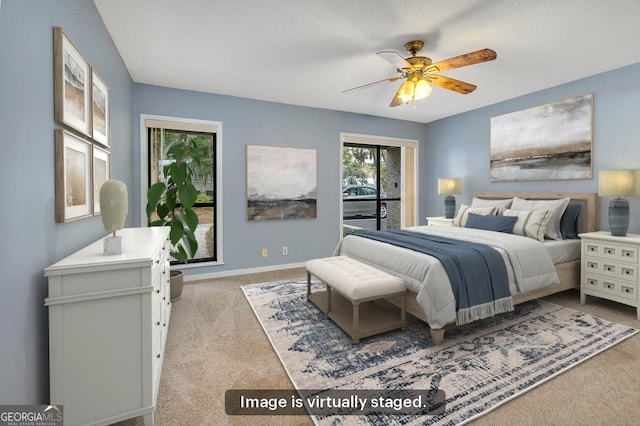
193, 243
154, 193
178, 173
190, 219
188, 195
162, 211
176, 233
180, 255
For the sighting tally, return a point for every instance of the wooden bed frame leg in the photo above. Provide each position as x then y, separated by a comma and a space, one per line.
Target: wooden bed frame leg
437, 336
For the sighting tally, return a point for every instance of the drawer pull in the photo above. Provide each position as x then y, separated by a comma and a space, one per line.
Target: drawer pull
158, 291
610, 251
627, 290
592, 265
627, 253
158, 356
610, 286
627, 271
592, 248
609, 268
592, 282
158, 323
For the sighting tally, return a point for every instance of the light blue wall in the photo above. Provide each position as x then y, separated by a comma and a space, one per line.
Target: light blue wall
31, 240
246, 121
459, 146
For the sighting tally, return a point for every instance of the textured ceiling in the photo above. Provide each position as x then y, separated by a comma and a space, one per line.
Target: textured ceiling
307, 52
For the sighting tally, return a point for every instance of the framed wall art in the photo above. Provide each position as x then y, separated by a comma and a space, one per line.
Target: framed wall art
548, 142
74, 192
72, 84
281, 183
101, 168
99, 109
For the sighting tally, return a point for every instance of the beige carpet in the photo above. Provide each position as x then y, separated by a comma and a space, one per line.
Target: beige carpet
215, 343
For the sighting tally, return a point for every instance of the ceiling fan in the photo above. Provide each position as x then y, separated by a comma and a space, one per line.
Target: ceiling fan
419, 72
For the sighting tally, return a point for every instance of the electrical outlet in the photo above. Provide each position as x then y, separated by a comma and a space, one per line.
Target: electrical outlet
265, 253
285, 250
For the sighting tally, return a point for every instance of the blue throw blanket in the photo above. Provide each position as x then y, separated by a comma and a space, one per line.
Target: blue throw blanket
476, 271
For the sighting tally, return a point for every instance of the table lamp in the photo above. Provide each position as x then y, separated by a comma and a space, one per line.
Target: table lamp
618, 183
449, 186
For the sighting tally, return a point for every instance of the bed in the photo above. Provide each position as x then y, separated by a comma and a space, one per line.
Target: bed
430, 298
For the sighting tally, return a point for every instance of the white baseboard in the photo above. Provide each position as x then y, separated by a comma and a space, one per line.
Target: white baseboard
197, 277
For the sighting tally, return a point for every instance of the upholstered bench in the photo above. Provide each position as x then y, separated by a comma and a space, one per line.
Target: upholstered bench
356, 283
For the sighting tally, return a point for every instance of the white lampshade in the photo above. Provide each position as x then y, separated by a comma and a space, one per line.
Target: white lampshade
619, 182
449, 186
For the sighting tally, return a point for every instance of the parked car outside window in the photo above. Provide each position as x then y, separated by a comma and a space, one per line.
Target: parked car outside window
360, 200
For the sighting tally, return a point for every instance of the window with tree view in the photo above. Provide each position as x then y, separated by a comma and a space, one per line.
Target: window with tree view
201, 166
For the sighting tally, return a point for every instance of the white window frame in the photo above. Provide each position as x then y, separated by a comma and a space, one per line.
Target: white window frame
188, 124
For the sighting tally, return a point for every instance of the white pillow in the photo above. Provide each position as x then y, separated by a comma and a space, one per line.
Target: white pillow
500, 204
531, 223
464, 210
553, 231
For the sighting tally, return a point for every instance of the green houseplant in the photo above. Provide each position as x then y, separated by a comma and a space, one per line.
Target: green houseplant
170, 203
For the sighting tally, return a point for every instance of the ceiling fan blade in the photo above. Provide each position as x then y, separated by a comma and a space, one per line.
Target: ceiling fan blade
364, 86
397, 100
394, 59
451, 84
471, 58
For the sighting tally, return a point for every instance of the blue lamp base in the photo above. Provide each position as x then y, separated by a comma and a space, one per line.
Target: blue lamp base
449, 206
619, 217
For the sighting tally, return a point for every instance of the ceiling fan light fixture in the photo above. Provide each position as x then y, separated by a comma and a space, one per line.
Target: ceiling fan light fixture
421, 90
414, 90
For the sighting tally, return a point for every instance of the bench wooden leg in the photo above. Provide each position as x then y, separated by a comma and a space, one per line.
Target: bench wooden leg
356, 322
403, 311
328, 299
437, 336
308, 284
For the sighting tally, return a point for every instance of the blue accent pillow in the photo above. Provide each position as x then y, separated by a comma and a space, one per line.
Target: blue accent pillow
569, 222
491, 222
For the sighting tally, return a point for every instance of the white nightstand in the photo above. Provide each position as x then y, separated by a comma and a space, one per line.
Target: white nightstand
610, 268
439, 220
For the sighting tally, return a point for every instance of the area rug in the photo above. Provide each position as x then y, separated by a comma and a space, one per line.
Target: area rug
478, 367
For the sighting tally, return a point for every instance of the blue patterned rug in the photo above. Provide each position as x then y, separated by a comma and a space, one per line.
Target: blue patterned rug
479, 366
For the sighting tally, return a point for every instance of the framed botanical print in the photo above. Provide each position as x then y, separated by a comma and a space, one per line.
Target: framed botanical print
99, 109
72, 84
101, 173
74, 192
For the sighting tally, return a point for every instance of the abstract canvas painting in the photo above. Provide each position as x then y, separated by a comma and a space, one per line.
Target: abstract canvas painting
281, 183
548, 142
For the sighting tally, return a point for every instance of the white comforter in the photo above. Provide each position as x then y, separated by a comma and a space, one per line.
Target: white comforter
528, 263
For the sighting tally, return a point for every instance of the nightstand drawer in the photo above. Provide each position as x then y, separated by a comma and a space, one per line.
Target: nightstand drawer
611, 269
597, 284
606, 250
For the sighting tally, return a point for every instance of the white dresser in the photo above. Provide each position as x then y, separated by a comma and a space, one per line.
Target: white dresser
610, 268
108, 322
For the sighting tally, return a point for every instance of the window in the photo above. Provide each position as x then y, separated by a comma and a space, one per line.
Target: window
160, 137
378, 182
